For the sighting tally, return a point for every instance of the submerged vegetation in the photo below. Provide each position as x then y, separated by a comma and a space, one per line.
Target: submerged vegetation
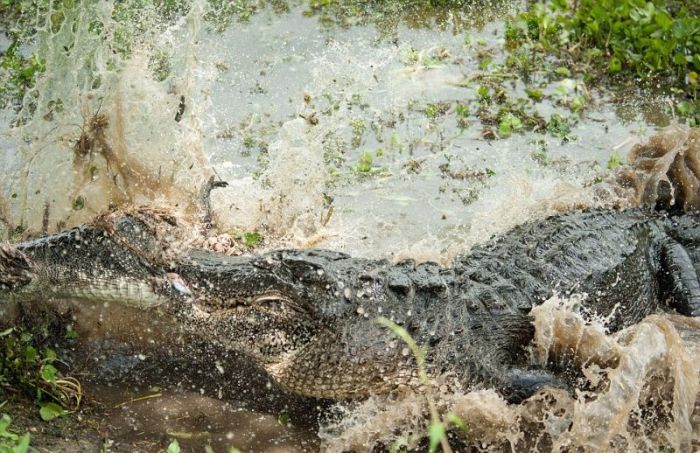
10, 442
30, 370
653, 45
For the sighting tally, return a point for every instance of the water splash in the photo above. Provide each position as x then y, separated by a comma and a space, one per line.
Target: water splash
642, 391
98, 130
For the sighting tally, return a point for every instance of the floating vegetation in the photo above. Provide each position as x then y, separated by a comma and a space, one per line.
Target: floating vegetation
627, 42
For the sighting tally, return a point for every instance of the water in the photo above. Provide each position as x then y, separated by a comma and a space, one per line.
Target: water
344, 138
644, 398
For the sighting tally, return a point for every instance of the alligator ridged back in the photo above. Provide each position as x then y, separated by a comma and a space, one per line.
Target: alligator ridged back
570, 253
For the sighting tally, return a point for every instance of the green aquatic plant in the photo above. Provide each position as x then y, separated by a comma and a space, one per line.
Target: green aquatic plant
29, 368
508, 124
364, 163
630, 42
388, 15
251, 239
439, 424
614, 161
9, 441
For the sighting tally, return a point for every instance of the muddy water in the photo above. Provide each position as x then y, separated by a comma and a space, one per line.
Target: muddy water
643, 395
286, 110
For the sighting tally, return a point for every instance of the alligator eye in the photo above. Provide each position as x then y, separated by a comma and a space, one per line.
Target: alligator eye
273, 301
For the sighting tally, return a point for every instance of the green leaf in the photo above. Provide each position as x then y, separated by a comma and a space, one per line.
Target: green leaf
683, 108
432, 111
614, 161
174, 447
457, 421
614, 65
462, 110
578, 103
49, 411
283, 419
679, 59
509, 123
663, 20
562, 71
558, 126
436, 432
534, 94
251, 238
50, 355
364, 163
5, 421
48, 373
71, 334
30, 354
23, 444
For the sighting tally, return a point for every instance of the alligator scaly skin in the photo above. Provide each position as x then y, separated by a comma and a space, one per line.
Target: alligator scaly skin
309, 317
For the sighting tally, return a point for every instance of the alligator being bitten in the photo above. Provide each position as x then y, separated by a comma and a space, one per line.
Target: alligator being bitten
309, 317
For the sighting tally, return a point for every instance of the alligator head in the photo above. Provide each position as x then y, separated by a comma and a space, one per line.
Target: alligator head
308, 317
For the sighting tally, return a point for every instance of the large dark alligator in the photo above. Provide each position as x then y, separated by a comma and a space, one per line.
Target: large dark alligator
308, 317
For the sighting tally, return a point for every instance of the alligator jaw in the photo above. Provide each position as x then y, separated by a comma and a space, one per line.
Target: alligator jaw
129, 292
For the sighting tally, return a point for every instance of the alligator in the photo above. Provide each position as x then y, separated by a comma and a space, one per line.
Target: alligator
309, 317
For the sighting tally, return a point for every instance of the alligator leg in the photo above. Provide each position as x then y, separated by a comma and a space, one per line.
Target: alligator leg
681, 278
520, 384
205, 199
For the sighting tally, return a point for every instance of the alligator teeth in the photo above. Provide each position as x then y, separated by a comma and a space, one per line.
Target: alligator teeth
178, 284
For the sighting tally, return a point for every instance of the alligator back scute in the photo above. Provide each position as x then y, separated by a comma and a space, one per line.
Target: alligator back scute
429, 278
607, 255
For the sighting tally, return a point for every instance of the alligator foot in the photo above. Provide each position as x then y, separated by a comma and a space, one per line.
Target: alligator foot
205, 199
521, 384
